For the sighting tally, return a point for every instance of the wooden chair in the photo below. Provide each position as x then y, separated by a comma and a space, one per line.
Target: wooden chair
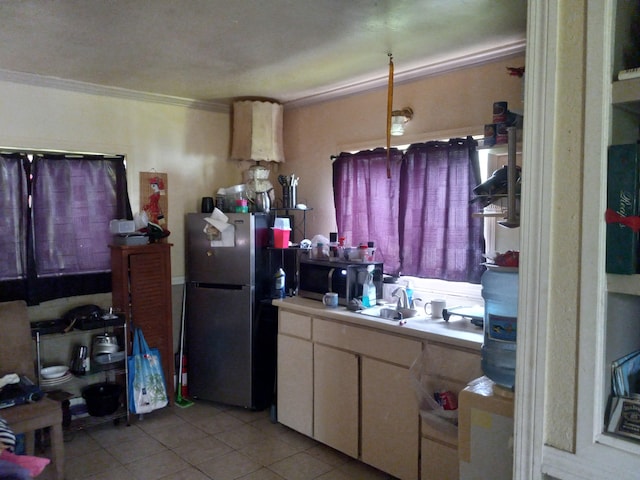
16, 356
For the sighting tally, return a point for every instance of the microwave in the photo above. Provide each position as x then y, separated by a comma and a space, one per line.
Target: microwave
317, 277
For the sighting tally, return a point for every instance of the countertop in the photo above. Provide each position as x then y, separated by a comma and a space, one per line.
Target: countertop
457, 331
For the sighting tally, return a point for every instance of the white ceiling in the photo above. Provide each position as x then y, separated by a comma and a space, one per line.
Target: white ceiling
216, 50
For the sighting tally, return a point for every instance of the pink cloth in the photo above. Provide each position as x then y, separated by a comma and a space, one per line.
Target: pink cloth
35, 465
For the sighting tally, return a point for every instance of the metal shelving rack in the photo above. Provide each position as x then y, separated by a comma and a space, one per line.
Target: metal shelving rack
60, 394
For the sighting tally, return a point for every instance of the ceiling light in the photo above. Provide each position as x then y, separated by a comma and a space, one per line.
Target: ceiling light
398, 120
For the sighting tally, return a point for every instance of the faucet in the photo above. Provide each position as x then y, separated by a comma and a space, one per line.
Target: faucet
403, 299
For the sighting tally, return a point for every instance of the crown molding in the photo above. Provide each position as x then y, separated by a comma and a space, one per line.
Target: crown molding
106, 91
330, 93
436, 68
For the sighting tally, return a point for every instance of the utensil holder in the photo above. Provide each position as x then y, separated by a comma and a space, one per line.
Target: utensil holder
289, 196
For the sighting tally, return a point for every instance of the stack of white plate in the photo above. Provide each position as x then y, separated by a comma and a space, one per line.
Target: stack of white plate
54, 376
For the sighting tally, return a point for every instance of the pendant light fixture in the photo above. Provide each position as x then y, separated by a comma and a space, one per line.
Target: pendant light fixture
257, 137
257, 131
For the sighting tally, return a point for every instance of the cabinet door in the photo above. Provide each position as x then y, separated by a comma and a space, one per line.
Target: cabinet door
141, 288
390, 419
295, 384
335, 398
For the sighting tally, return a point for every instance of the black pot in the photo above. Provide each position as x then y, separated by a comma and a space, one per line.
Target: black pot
102, 398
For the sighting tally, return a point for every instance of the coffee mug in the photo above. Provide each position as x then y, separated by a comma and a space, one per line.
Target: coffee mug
207, 205
435, 308
330, 299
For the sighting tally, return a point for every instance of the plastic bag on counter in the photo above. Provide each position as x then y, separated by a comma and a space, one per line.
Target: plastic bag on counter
319, 247
436, 395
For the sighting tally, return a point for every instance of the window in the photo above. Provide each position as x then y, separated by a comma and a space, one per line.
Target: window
56, 210
419, 217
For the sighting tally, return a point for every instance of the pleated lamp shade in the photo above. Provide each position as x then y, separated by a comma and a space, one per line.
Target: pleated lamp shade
257, 131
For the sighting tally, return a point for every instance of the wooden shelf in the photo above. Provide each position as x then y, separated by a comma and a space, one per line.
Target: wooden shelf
626, 93
627, 284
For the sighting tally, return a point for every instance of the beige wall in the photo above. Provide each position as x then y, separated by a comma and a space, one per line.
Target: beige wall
459, 101
192, 145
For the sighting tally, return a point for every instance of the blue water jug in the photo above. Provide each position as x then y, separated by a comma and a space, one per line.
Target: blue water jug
500, 294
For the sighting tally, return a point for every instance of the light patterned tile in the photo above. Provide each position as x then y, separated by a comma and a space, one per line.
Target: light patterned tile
229, 467
217, 423
262, 474
115, 473
109, 434
157, 466
79, 443
198, 411
178, 435
300, 466
88, 464
190, 473
241, 436
159, 420
247, 415
336, 475
328, 455
127, 452
202, 450
296, 439
270, 428
269, 451
361, 471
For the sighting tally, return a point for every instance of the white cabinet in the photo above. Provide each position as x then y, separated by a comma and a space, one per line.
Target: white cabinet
335, 398
295, 372
390, 425
450, 369
349, 387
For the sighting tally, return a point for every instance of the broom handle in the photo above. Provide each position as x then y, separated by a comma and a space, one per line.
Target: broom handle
184, 303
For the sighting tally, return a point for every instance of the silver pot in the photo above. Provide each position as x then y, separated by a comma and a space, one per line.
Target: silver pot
104, 343
263, 202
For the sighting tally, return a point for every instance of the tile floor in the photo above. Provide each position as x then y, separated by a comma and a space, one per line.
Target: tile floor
204, 441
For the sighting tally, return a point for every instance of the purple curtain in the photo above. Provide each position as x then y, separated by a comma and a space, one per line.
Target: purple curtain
367, 202
13, 221
420, 218
73, 202
439, 236
63, 237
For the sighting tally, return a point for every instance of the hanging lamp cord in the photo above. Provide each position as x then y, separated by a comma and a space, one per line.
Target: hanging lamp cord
389, 110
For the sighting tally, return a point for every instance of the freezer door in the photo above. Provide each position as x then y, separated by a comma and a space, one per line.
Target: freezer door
230, 260
219, 344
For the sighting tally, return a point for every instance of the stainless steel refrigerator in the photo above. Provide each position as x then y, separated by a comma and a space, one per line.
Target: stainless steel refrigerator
230, 328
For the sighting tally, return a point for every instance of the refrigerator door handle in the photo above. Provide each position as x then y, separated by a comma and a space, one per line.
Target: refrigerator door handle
330, 280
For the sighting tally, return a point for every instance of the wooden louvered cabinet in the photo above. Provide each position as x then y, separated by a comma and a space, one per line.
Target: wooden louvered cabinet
141, 289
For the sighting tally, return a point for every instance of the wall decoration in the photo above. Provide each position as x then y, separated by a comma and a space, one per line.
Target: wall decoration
154, 198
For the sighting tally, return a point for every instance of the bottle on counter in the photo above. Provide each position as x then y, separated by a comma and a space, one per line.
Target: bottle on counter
279, 283
369, 289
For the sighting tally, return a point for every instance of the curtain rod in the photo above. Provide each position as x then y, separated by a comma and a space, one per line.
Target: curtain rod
38, 151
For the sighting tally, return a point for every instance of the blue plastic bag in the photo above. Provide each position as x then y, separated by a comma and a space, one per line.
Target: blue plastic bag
147, 388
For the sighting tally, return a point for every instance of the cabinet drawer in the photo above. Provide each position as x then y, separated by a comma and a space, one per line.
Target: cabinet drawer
388, 347
438, 461
294, 324
452, 363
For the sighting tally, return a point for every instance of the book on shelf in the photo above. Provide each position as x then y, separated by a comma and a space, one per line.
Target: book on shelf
629, 73
623, 182
625, 417
625, 374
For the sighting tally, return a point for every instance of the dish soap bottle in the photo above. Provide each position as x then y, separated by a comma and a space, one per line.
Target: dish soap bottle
369, 289
409, 290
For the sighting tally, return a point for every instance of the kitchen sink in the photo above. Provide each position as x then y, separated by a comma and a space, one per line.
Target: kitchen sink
390, 313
